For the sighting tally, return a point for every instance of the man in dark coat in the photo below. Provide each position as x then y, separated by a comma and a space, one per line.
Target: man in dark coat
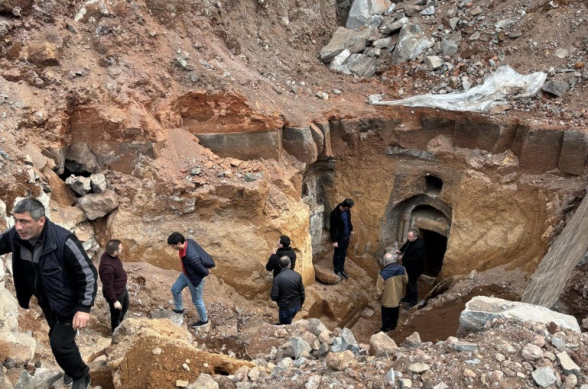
341, 230
273, 264
195, 265
413, 259
50, 263
288, 292
114, 282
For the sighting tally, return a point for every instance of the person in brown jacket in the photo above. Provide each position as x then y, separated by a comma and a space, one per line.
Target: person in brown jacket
389, 287
114, 282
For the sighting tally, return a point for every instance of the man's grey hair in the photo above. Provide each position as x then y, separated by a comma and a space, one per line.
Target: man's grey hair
414, 232
389, 258
285, 262
31, 206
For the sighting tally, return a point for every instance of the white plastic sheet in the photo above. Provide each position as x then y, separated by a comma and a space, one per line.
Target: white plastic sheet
503, 84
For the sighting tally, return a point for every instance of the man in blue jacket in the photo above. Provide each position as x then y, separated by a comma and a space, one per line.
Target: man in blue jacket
49, 263
195, 265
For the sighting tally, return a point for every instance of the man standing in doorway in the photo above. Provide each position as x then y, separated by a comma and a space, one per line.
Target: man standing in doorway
195, 265
341, 230
413, 259
114, 282
273, 264
389, 286
49, 262
287, 291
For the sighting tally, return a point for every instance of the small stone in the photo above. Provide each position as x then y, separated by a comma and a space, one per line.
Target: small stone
499, 357
336, 92
468, 373
571, 381
412, 341
567, 364
181, 383
313, 382
418, 367
465, 346
433, 62
476, 11
561, 53
448, 47
405, 383
557, 88
473, 274
558, 343
196, 171
544, 376
429, 11
532, 352
391, 377
322, 95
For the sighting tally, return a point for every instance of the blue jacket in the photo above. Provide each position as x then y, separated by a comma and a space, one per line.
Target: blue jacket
64, 279
196, 262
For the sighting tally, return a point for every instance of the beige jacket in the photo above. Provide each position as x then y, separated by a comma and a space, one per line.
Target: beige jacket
390, 285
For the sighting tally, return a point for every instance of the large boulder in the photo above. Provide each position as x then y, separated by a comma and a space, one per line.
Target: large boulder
343, 38
97, 205
382, 344
20, 347
361, 65
412, 42
480, 310
362, 12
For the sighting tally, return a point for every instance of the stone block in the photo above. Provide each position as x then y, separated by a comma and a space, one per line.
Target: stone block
361, 65
540, 149
299, 143
492, 137
343, 38
481, 310
574, 152
412, 42
18, 346
97, 205
244, 146
381, 344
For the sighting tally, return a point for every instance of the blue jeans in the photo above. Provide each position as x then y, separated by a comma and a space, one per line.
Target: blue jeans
286, 315
195, 292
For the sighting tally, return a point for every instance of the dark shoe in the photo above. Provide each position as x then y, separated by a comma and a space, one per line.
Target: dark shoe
408, 306
179, 311
82, 382
344, 274
338, 274
200, 323
67, 380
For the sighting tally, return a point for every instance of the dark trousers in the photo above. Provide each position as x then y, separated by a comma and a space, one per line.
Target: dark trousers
340, 254
412, 290
389, 318
286, 315
118, 315
62, 338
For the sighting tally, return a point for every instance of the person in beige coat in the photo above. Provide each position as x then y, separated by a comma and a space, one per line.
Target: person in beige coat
389, 288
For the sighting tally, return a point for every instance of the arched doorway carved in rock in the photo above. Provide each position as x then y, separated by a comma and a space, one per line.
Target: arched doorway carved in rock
430, 216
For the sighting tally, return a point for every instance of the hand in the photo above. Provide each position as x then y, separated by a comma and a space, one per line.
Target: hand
400, 257
118, 305
397, 252
351, 233
335, 244
80, 320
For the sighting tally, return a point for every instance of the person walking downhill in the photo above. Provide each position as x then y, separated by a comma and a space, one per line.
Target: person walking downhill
287, 292
273, 263
391, 282
114, 282
49, 262
195, 268
341, 230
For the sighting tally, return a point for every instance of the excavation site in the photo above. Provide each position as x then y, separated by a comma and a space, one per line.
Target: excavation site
320, 194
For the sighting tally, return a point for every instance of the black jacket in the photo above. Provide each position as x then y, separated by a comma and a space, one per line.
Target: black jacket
336, 226
64, 279
273, 264
288, 290
413, 257
196, 262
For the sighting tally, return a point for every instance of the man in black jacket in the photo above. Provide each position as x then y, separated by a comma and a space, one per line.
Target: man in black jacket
288, 292
49, 263
195, 265
341, 229
273, 264
413, 260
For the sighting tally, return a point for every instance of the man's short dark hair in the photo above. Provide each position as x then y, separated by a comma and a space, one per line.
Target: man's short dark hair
112, 246
285, 262
31, 206
348, 203
175, 238
285, 241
